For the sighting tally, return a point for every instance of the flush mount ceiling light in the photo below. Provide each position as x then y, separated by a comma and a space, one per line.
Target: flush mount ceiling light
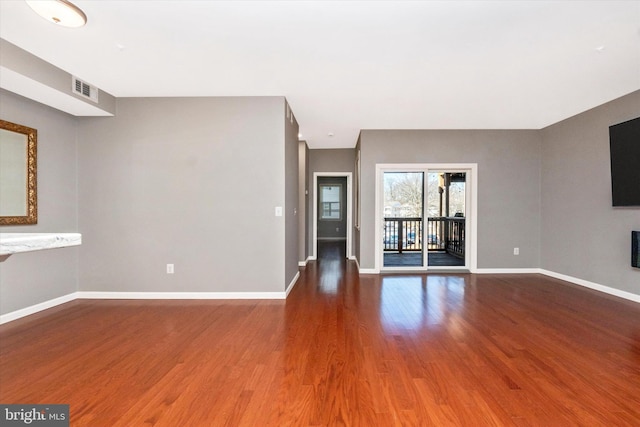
59, 12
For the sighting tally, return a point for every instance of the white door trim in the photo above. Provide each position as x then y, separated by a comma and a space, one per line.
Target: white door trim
348, 175
471, 243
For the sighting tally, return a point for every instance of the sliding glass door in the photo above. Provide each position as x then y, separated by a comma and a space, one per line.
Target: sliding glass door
403, 219
422, 214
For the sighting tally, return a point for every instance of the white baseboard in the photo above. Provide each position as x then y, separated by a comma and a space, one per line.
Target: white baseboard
353, 258
15, 315
506, 271
292, 284
591, 285
587, 284
462, 270
180, 295
305, 262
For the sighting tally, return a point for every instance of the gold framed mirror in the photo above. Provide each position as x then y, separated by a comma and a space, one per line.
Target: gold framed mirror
18, 174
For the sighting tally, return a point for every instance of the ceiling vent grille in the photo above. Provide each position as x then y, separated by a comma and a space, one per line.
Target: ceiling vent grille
84, 89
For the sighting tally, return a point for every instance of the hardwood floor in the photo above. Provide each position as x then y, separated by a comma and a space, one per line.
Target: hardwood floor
469, 350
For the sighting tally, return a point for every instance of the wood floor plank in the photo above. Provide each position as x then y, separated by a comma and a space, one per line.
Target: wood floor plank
343, 349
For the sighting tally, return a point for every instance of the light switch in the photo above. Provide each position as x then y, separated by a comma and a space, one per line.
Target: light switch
278, 210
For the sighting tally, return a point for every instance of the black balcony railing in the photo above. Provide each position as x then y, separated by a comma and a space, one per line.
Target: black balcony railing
402, 234
443, 234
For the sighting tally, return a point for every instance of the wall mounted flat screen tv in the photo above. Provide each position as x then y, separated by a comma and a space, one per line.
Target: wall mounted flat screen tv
624, 141
635, 249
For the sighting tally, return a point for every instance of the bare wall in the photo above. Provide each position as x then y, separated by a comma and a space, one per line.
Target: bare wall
291, 176
188, 181
30, 278
303, 195
583, 236
508, 185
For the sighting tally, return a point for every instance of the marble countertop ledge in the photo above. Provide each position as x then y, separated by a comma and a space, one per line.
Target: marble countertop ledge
13, 243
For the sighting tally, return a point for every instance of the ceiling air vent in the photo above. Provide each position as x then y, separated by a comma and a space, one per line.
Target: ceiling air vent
84, 89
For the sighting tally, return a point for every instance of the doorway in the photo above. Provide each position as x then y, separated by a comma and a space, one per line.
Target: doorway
425, 217
332, 217
332, 214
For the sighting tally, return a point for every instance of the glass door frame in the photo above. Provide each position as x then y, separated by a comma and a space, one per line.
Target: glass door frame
471, 217
400, 233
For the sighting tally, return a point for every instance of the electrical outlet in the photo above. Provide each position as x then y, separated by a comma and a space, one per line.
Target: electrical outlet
516, 251
170, 269
337, 229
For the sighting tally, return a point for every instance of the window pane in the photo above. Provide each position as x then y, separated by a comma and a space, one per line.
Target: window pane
330, 195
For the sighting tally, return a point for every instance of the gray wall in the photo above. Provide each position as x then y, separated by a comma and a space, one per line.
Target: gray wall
508, 185
188, 181
303, 195
34, 277
357, 227
332, 160
583, 236
291, 177
194, 182
36, 69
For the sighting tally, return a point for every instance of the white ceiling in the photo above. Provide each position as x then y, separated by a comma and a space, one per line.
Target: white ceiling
346, 66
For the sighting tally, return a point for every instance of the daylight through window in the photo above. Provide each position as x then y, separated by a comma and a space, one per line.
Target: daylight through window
330, 197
